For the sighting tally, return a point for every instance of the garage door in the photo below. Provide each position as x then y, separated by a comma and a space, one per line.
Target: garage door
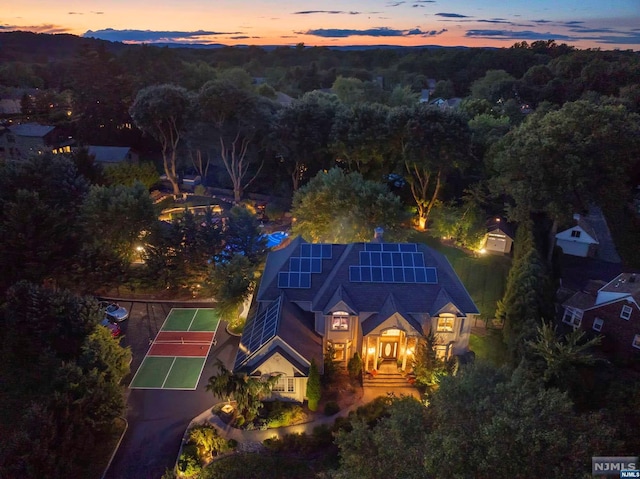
496, 243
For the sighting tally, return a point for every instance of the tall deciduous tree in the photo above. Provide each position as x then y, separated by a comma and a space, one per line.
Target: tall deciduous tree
112, 219
547, 164
432, 143
394, 447
164, 111
235, 120
343, 208
512, 428
360, 139
301, 134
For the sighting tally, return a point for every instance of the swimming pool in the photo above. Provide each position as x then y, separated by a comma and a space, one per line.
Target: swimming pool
275, 238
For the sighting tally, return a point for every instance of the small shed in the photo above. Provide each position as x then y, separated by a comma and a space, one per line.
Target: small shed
499, 237
579, 240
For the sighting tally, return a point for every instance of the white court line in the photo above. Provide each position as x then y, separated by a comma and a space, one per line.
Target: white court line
192, 319
170, 368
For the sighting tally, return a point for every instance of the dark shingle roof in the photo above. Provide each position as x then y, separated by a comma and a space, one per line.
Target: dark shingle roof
31, 129
280, 319
109, 154
365, 297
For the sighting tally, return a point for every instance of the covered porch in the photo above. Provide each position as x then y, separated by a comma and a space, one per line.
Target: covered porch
391, 346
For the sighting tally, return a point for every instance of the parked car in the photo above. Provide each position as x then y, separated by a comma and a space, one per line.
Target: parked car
114, 312
113, 327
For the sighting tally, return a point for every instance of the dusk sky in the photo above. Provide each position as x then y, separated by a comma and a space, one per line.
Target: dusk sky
604, 24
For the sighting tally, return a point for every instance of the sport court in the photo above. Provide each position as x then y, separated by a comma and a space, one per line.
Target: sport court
176, 357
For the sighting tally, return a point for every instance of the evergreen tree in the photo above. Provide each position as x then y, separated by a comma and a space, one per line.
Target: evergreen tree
314, 390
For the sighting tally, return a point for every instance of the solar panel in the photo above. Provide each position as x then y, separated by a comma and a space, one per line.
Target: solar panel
392, 263
294, 279
301, 267
315, 250
258, 331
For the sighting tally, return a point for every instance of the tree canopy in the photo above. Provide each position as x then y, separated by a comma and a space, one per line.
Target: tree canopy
336, 207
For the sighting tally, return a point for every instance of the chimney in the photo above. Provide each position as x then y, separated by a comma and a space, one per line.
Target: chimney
576, 216
377, 235
632, 278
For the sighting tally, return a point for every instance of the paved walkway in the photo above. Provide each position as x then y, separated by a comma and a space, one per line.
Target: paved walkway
252, 440
606, 249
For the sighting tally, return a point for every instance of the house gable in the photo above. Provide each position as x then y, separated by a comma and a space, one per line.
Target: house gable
576, 234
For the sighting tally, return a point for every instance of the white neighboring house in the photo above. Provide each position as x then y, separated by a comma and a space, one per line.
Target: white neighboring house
579, 240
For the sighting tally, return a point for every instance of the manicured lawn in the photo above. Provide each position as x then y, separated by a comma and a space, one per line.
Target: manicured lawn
489, 347
484, 277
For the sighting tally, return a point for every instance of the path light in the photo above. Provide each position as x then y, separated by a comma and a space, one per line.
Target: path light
483, 251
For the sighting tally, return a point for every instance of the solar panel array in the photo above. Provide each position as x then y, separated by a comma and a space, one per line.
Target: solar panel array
257, 332
392, 263
301, 267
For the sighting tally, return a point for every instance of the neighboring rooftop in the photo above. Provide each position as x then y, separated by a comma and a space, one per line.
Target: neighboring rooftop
109, 154
31, 129
624, 283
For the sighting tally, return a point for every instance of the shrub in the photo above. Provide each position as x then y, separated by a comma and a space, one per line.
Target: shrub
322, 435
283, 414
331, 408
200, 190
354, 366
239, 421
188, 463
274, 211
207, 440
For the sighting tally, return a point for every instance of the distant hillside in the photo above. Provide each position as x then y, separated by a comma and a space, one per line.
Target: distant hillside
32, 47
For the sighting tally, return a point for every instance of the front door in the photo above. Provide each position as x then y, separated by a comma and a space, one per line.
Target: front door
389, 349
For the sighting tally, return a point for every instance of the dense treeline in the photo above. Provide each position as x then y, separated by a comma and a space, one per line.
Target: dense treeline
60, 373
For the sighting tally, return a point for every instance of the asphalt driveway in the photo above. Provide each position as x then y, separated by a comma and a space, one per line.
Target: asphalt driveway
158, 418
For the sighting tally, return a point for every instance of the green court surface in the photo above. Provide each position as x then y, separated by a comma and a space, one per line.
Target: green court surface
168, 373
177, 372
183, 319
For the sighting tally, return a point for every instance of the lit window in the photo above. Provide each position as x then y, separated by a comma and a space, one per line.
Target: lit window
636, 341
445, 324
626, 312
441, 352
339, 350
573, 317
575, 233
597, 324
281, 385
340, 321
290, 385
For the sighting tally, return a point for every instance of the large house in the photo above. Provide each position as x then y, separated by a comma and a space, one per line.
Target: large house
376, 299
28, 139
610, 309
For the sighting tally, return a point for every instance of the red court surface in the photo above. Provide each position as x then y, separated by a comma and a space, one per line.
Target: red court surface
179, 350
184, 336
181, 344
